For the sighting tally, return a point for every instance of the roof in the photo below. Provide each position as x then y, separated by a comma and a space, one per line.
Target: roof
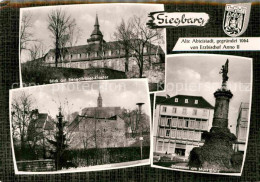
159, 99
42, 117
43, 122
96, 30
201, 102
113, 45
74, 124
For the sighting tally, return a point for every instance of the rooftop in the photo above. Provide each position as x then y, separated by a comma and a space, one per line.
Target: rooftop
185, 101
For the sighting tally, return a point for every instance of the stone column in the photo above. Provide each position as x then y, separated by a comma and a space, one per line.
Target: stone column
221, 109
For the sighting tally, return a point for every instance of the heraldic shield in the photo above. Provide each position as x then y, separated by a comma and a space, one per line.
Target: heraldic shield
236, 18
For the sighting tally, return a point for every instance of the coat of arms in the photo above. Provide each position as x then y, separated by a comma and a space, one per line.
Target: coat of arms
236, 18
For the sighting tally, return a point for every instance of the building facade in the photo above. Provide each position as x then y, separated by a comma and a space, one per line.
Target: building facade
242, 127
179, 122
98, 127
110, 55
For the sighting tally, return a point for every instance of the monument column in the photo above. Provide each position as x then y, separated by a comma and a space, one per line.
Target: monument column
223, 96
217, 151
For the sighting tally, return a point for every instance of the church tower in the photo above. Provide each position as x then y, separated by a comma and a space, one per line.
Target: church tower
99, 100
96, 35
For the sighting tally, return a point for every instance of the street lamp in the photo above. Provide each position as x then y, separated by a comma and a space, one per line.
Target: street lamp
141, 134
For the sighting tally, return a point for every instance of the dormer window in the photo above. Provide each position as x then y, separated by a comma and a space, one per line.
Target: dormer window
186, 101
176, 100
196, 102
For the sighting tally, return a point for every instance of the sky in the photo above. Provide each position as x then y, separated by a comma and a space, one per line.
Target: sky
109, 15
75, 96
198, 75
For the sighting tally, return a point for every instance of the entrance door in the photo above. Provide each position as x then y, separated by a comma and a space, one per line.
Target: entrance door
180, 152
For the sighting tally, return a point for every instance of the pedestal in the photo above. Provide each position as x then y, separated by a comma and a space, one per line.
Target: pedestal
217, 150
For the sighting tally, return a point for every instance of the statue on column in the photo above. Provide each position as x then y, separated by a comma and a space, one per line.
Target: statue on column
224, 72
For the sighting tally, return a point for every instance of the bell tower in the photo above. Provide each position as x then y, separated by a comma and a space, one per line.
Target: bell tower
96, 35
99, 100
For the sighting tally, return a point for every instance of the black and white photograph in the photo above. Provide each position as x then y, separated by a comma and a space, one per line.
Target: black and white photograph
80, 126
201, 122
91, 42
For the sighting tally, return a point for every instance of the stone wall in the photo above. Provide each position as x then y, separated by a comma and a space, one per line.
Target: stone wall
36, 165
100, 133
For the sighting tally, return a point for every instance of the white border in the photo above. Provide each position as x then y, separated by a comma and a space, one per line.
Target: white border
249, 116
92, 168
99, 4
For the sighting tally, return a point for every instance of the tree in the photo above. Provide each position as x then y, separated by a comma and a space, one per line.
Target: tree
63, 29
137, 37
136, 124
59, 142
123, 36
25, 33
21, 118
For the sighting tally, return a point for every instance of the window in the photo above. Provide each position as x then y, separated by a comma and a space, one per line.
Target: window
161, 132
109, 52
191, 135
174, 110
176, 100
104, 53
174, 122
196, 102
185, 134
244, 113
165, 146
205, 113
180, 123
186, 101
178, 133
159, 146
171, 147
163, 121
194, 112
71, 56
173, 133
79, 56
167, 133
184, 111
164, 109
187, 123
96, 54
191, 124
169, 121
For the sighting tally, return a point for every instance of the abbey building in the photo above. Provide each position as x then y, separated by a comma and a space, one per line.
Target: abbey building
98, 55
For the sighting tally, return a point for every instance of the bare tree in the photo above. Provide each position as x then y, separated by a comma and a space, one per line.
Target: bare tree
26, 35
123, 36
63, 29
21, 117
37, 50
138, 38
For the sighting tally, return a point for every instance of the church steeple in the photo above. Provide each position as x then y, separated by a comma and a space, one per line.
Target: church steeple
96, 23
96, 35
99, 100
